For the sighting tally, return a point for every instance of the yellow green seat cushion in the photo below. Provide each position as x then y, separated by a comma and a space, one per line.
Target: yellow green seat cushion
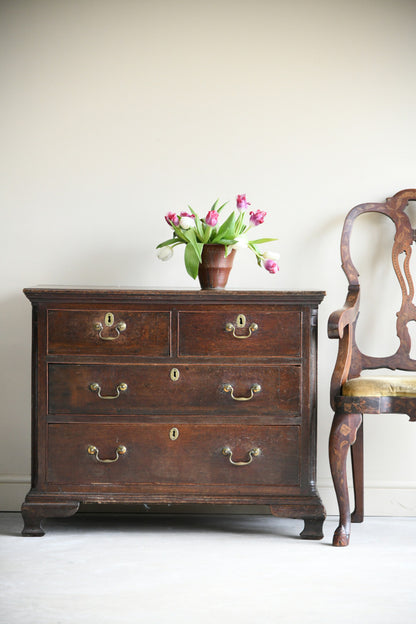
380, 386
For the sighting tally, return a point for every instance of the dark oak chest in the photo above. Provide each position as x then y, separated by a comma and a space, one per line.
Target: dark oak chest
173, 397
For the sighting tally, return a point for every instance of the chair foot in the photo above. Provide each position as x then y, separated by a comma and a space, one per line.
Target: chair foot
341, 537
357, 517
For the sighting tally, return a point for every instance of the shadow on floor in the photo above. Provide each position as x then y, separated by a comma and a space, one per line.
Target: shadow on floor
162, 523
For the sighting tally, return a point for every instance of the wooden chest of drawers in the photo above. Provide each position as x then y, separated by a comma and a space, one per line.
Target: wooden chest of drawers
173, 397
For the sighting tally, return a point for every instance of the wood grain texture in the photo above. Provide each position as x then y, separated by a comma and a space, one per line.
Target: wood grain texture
186, 331
351, 362
151, 390
194, 458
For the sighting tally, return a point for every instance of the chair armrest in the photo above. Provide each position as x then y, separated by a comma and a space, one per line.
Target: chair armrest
346, 315
341, 326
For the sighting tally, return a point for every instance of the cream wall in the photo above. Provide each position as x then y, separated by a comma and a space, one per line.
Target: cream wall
114, 112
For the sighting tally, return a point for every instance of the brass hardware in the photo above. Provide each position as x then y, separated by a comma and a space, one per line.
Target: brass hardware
108, 322
254, 388
254, 452
174, 433
109, 319
240, 323
174, 374
95, 387
93, 450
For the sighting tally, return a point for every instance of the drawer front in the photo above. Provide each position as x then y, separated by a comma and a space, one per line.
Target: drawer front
163, 389
225, 333
104, 332
195, 456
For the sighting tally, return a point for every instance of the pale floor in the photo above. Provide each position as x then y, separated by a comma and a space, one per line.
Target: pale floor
205, 569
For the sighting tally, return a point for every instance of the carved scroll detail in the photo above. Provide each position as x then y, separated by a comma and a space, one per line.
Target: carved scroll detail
394, 208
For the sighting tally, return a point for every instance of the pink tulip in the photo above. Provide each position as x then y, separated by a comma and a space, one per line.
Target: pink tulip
172, 218
242, 202
257, 217
271, 266
187, 214
212, 218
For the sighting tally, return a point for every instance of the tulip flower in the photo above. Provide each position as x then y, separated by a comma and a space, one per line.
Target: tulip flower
172, 218
241, 242
165, 253
257, 217
271, 266
271, 255
242, 202
187, 221
212, 218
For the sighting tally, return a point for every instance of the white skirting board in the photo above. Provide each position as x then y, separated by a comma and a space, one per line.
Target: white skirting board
380, 498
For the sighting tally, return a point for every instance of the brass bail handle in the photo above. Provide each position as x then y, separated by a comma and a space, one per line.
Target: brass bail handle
109, 322
240, 323
93, 450
95, 387
253, 390
254, 452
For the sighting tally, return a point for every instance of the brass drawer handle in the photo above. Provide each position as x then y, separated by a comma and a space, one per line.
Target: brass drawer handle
254, 388
93, 450
119, 327
231, 328
255, 452
95, 387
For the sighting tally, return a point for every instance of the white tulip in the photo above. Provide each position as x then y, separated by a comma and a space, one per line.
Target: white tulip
271, 255
165, 253
241, 243
186, 223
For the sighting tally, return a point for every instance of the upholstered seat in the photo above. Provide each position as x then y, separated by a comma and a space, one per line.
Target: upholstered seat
380, 386
352, 393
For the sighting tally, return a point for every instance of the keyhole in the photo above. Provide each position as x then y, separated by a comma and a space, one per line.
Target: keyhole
109, 319
174, 433
174, 374
241, 320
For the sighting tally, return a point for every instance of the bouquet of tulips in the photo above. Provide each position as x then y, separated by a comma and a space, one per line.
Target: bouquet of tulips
190, 230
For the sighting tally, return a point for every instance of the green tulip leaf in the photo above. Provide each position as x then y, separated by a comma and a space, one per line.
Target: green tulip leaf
227, 230
191, 260
259, 241
171, 241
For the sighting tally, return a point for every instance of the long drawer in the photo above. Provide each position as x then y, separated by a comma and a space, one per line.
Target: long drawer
197, 454
159, 388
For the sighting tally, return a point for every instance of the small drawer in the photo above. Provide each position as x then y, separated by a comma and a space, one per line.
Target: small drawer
198, 454
249, 333
162, 389
108, 332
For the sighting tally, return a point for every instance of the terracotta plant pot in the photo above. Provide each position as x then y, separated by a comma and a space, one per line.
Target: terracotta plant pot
215, 268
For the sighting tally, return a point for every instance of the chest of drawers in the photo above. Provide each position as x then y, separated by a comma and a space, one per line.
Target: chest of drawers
173, 397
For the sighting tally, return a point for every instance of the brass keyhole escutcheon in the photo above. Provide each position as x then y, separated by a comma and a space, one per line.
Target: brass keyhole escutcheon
109, 319
241, 321
174, 374
174, 433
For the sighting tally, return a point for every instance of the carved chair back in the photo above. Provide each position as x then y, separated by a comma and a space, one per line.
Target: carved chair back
351, 361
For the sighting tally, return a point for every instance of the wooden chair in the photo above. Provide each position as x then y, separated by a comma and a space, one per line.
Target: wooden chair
353, 395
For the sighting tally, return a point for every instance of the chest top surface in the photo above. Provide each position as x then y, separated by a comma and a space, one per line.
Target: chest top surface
70, 294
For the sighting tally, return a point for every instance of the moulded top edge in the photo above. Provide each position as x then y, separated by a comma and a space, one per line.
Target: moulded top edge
118, 294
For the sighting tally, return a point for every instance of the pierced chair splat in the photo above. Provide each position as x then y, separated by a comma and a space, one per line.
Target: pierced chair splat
353, 395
